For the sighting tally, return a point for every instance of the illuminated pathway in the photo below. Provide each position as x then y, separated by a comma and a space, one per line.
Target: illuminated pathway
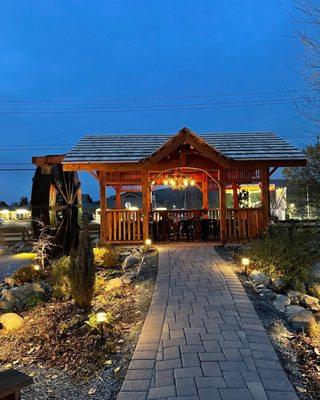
202, 338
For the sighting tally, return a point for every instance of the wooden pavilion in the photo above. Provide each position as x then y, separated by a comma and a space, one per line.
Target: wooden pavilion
212, 161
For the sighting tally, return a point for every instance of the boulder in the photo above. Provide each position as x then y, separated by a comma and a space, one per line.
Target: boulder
294, 296
310, 302
314, 289
128, 277
114, 283
96, 242
123, 255
10, 321
277, 285
281, 302
259, 278
17, 297
299, 317
130, 261
267, 293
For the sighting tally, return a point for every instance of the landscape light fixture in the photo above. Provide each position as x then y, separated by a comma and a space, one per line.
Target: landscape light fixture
245, 261
101, 317
36, 267
148, 242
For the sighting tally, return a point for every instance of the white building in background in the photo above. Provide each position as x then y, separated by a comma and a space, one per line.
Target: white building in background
20, 214
279, 208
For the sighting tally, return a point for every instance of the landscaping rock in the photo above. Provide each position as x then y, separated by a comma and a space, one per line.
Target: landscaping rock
314, 289
258, 278
281, 302
131, 261
267, 293
17, 297
299, 317
310, 302
294, 296
123, 255
96, 242
128, 277
114, 283
10, 321
277, 285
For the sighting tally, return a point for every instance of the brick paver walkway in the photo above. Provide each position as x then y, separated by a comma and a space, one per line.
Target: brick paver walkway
202, 338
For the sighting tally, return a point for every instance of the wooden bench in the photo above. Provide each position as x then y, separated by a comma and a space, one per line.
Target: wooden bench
11, 382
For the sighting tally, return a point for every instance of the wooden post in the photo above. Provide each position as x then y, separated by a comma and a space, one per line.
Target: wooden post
118, 197
265, 196
145, 204
103, 206
183, 156
223, 205
205, 193
235, 195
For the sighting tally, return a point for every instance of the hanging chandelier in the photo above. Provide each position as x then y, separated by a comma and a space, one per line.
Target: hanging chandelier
178, 181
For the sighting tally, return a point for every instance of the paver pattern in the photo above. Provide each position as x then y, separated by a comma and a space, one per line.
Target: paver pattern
202, 338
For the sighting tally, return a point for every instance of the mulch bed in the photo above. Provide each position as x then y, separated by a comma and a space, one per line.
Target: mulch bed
54, 344
297, 352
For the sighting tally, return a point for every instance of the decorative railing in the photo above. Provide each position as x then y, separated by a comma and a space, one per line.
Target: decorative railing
126, 226
123, 226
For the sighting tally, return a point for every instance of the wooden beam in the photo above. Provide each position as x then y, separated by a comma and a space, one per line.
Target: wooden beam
265, 196
235, 195
183, 156
222, 206
145, 204
103, 206
118, 196
205, 193
160, 166
48, 160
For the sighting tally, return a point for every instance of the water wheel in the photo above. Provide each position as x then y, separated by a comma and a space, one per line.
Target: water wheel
56, 201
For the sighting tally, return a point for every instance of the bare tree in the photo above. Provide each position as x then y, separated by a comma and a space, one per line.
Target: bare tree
44, 245
306, 19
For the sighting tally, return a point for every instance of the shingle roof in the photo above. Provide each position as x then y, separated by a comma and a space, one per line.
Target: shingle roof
133, 148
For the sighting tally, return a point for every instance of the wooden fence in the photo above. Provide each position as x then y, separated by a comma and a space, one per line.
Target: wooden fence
244, 223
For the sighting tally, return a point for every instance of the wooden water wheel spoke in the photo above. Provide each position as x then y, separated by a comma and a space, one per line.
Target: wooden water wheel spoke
56, 200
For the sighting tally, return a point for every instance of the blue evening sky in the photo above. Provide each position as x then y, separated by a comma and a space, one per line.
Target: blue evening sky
79, 50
